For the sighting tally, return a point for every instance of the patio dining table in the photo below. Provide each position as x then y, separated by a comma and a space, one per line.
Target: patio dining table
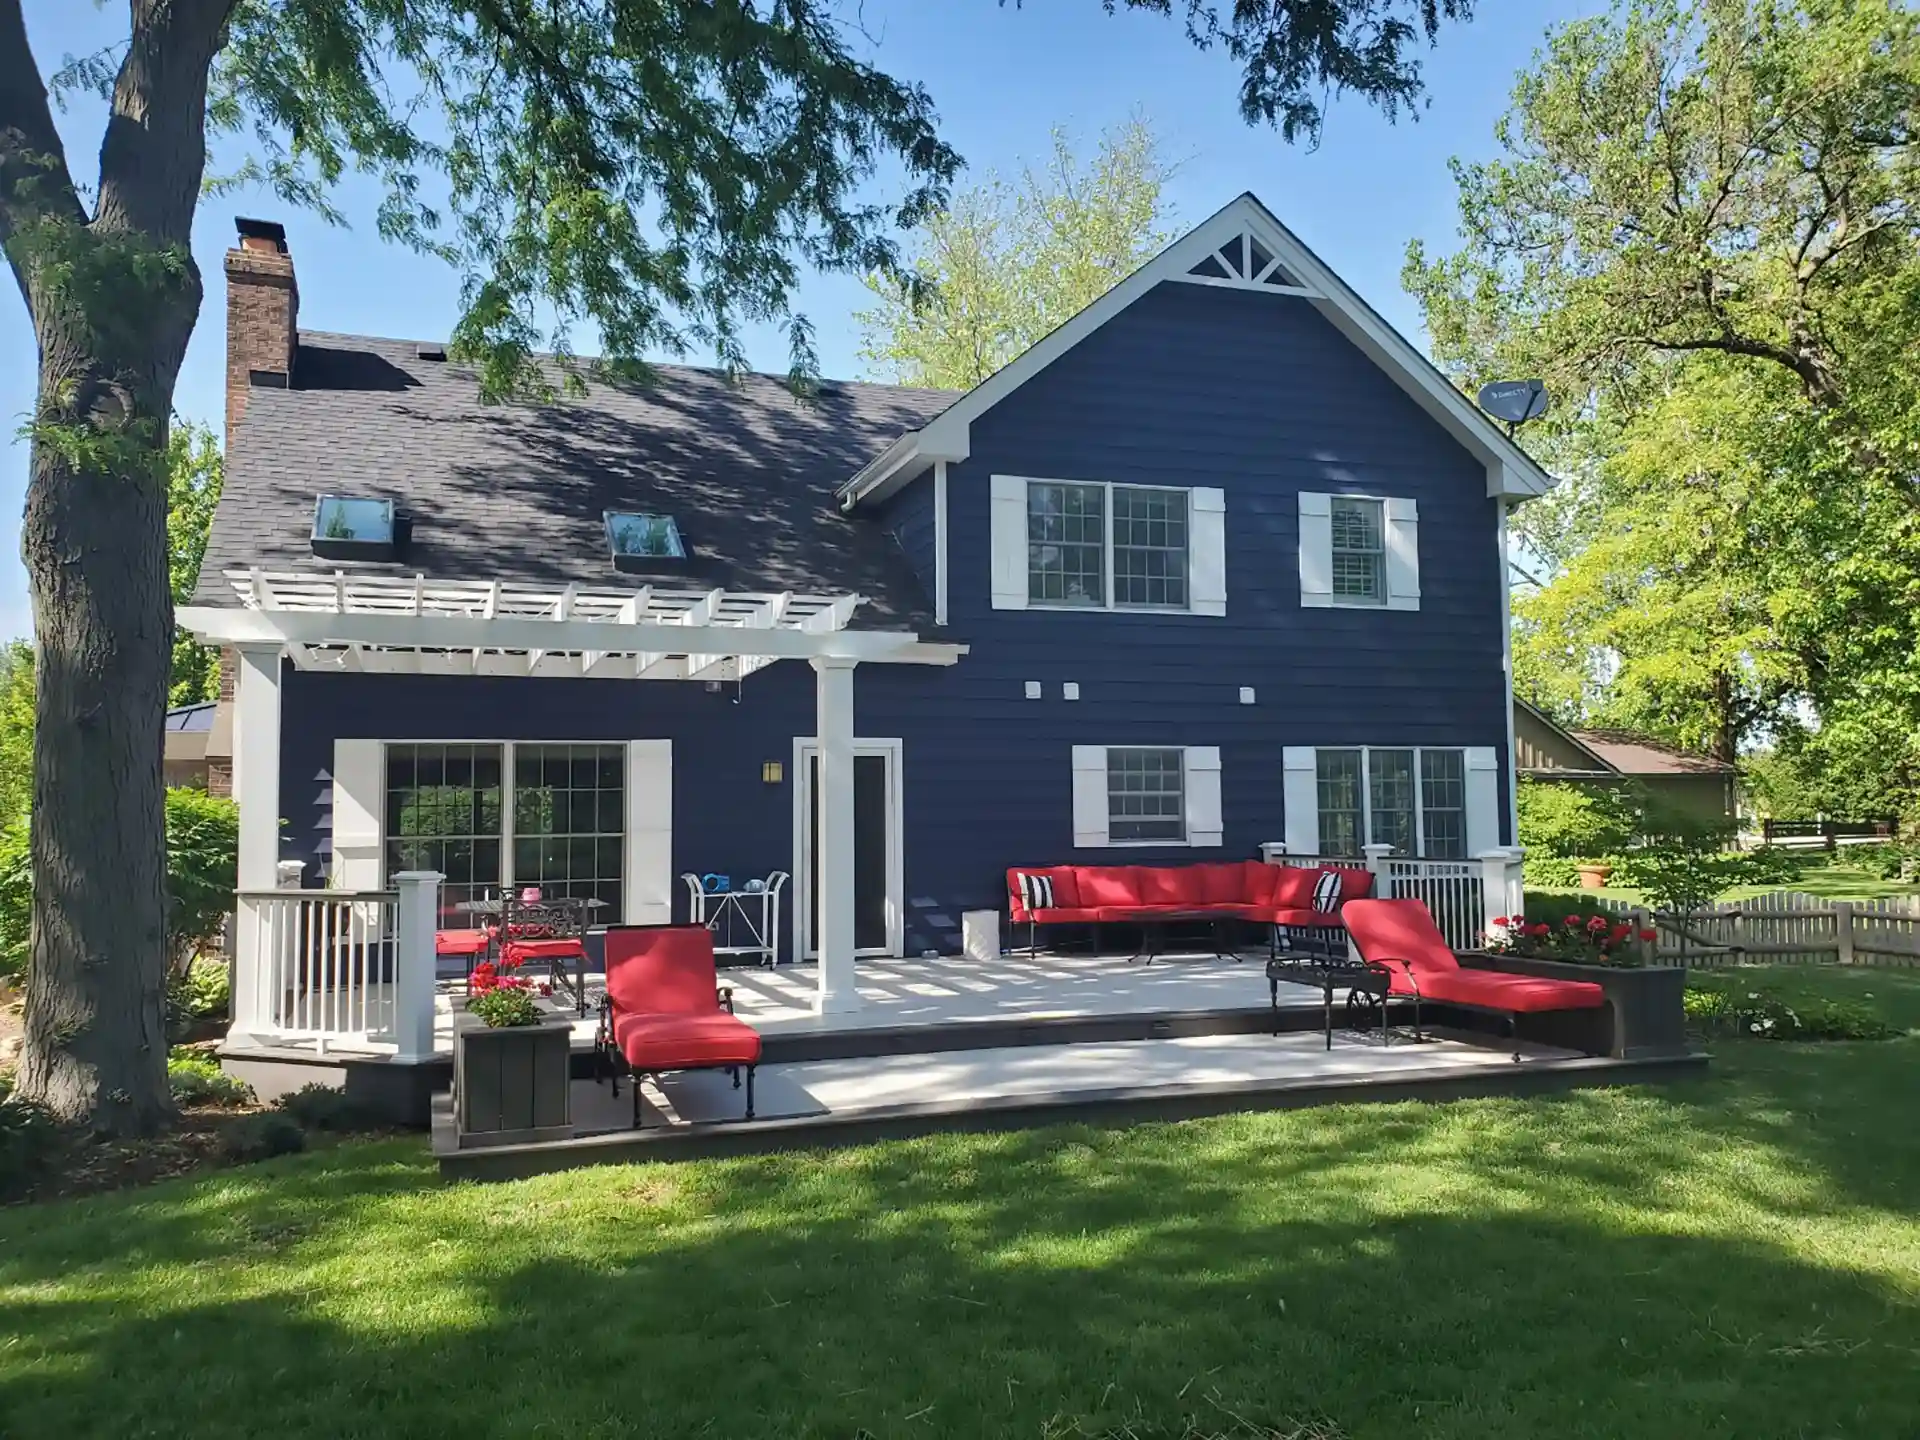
584, 906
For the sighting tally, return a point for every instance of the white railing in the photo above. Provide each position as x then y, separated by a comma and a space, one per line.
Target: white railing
1463, 896
348, 970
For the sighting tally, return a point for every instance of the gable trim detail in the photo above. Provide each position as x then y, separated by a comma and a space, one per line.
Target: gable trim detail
1242, 224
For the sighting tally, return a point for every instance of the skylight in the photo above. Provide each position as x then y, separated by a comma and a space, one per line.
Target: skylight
348, 527
638, 540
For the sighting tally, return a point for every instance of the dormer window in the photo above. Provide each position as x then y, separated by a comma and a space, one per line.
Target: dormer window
349, 527
643, 542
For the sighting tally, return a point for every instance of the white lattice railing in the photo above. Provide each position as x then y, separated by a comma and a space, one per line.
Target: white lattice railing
1463, 896
337, 969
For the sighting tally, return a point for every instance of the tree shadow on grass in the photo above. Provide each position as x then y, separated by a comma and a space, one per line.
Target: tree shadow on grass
1426, 1270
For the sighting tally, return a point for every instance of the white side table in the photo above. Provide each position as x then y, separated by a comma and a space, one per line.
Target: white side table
980, 934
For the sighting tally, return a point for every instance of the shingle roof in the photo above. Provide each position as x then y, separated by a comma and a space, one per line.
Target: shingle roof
1635, 754
516, 492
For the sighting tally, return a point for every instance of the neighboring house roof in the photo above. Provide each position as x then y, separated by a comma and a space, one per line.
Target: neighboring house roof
1634, 754
194, 717
516, 492
1511, 472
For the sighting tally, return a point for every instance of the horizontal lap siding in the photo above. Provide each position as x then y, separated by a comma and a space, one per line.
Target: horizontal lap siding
1193, 386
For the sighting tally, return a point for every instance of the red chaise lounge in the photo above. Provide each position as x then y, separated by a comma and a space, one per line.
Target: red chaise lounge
1252, 890
665, 1010
1400, 936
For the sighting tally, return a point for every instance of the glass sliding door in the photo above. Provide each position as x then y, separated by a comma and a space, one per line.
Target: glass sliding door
569, 818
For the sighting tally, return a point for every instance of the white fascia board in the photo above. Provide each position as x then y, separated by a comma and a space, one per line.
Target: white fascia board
460, 632
1510, 470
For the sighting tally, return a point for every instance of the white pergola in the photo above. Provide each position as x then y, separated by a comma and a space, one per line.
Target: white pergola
415, 626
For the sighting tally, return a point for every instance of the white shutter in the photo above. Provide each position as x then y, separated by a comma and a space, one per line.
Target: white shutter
1207, 551
1302, 796
1316, 550
359, 813
1202, 765
1008, 527
1483, 798
1089, 795
647, 879
1403, 555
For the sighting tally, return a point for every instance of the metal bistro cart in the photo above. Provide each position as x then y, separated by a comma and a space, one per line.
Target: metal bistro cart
745, 922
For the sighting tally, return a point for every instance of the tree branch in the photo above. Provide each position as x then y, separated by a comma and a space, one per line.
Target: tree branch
35, 184
154, 153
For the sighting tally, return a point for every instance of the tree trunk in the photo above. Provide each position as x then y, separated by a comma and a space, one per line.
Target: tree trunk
95, 544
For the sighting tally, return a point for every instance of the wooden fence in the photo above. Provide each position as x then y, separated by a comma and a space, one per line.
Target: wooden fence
1784, 927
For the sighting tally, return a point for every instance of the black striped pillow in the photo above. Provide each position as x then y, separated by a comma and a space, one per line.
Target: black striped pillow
1326, 892
1036, 891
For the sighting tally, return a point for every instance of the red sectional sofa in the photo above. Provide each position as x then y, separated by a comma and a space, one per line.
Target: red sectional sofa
1237, 889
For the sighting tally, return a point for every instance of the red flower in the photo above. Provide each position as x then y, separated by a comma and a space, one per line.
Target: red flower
484, 977
1541, 929
1620, 931
1501, 920
1572, 922
1598, 922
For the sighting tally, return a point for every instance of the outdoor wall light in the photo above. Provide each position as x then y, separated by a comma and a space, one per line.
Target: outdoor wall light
772, 772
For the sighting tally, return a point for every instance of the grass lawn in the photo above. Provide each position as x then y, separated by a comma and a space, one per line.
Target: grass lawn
1831, 882
1738, 1257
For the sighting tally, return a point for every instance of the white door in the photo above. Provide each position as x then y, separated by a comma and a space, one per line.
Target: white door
879, 907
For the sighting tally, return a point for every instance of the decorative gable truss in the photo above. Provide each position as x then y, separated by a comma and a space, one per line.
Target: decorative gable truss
1244, 263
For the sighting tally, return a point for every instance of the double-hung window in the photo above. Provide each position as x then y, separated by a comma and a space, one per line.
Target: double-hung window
1146, 795
1359, 551
1111, 547
1411, 799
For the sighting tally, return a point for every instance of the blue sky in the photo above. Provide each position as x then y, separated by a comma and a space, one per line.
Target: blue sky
1001, 77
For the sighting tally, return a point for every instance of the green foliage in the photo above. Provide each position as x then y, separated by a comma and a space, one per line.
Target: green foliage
16, 899
1579, 934
203, 847
197, 1079
1702, 232
16, 729
1548, 871
201, 994
323, 1107
194, 474
1681, 872
263, 1136
1732, 1010
505, 1005
1565, 819
1004, 263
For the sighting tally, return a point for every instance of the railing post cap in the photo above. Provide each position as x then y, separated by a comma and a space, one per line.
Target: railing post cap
1376, 852
417, 877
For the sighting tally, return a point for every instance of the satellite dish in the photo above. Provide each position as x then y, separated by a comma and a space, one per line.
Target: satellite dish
1514, 401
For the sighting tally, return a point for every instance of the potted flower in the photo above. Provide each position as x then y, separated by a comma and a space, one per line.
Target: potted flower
511, 1064
1593, 874
1645, 1003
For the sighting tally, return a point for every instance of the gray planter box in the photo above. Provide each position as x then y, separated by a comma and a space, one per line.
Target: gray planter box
511, 1086
1645, 1009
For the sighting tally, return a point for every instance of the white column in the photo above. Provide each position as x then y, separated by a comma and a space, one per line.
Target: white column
1502, 887
1377, 856
256, 787
415, 918
833, 845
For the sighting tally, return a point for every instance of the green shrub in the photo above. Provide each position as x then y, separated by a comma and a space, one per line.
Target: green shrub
16, 898
1557, 818
201, 994
197, 1079
322, 1107
30, 1140
1763, 1014
263, 1136
1551, 872
505, 1006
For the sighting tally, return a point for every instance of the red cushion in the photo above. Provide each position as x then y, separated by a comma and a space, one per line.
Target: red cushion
1066, 887
1491, 990
1066, 915
1222, 884
1105, 885
459, 942
1294, 915
1293, 886
661, 969
1257, 880
1354, 884
681, 1042
519, 951
1393, 932
1168, 885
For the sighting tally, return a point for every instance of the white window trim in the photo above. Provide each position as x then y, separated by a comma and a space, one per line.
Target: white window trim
1419, 796
805, 748
1192, 492
1399, 570
1202, 822
646, 869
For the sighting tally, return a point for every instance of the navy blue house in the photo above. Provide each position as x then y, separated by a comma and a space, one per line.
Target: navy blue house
1218, 564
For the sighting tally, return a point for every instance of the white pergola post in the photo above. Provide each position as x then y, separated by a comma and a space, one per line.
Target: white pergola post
256, 787
833, 847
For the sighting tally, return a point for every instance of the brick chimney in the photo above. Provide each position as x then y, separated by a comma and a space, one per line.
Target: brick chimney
263, 314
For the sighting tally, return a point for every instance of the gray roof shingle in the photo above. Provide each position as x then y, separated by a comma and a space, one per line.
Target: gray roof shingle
516, 492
